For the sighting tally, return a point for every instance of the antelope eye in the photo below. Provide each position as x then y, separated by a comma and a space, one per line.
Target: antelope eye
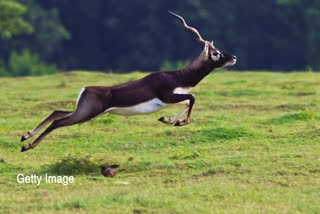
215, 54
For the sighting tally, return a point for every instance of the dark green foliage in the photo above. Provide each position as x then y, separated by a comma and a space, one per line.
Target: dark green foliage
45, 39
28, 64
129, 35
49, 32
11, 21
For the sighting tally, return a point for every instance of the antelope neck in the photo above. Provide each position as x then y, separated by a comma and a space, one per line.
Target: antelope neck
195, 72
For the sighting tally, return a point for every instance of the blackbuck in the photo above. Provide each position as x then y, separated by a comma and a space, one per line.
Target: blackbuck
152, 93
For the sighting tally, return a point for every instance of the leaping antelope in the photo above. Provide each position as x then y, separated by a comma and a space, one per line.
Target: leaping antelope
152, 93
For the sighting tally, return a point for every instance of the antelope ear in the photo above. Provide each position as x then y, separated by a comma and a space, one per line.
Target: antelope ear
206, 49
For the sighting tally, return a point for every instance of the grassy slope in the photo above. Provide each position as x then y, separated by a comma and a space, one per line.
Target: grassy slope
252, 146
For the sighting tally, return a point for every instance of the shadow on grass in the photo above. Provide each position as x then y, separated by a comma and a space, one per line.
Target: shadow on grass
72, 165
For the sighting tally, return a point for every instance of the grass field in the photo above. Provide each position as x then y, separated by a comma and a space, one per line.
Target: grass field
253, 146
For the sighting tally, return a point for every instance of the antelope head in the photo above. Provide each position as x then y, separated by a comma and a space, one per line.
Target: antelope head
210, 52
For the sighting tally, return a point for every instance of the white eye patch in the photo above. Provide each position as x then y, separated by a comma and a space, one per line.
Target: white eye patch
215, 56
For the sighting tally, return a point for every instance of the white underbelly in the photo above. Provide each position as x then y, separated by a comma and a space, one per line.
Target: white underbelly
142, 108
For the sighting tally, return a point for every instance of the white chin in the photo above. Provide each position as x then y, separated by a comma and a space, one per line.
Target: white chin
229, 63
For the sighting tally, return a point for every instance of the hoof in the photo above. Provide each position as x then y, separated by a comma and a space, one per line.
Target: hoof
162, 119
23, 138
165, 120
24, 148
181, 123
178, 123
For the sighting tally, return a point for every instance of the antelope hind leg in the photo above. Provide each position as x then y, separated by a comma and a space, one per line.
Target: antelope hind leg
69, 120
89, 107
53, 116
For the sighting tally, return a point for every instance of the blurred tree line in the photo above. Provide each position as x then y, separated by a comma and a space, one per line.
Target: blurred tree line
128, 35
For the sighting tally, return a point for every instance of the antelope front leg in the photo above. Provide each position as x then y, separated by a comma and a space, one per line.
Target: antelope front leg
187, 119
178, 98
174, 119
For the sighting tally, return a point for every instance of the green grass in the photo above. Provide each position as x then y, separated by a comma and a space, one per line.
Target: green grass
253, 146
